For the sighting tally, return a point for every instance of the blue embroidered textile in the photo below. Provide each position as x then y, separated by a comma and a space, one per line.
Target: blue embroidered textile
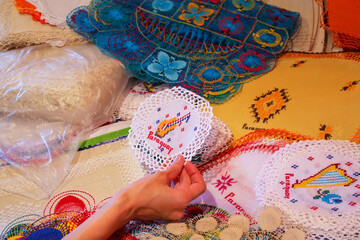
211, 47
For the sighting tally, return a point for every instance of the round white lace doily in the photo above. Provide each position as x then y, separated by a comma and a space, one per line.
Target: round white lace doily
167, 124
219, 139
315, 184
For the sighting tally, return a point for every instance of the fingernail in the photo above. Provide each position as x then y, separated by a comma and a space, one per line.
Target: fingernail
178, 158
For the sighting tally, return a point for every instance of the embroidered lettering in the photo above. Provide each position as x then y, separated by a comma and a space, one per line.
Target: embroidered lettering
287, 185
246, 127
161, 143
238, 207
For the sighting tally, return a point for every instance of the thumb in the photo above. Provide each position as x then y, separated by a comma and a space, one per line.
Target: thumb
176, 168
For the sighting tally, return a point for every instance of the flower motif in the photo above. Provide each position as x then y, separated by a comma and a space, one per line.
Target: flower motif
252, 61
162, 5
244, 4
81, 18
196, 14
267, 38
112, 15
129, 46
230, 25
279, 14
212, 1
328, 197
166, 66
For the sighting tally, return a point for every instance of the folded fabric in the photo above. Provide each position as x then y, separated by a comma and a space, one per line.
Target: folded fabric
209, 47
310, 36
135, 97
19, 30
24, 6
54, 82
341, 18
54, 12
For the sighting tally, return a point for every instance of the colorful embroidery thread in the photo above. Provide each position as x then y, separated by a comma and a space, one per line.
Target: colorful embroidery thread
225, 182
331, 176
350, 86
269, 104
233, 41
328, 197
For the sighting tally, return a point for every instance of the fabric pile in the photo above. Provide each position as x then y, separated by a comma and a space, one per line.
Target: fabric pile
95, 95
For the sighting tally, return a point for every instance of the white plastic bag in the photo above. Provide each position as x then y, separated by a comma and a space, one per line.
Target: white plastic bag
49, 98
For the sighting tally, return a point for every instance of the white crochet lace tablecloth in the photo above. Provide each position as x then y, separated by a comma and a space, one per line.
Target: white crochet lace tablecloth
100, 171
315, 184
230, 180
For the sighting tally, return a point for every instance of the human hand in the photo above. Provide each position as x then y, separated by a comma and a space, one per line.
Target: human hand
164, 195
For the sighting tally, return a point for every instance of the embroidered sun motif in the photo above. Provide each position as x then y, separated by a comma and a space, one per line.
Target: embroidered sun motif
269, 104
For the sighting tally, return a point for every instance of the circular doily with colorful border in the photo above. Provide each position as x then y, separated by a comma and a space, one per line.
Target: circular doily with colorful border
314, 183
169, 123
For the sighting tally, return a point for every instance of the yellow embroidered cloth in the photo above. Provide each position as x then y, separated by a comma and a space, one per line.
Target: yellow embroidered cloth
312, 94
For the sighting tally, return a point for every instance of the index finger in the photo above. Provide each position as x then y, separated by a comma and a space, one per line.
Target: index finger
198, 185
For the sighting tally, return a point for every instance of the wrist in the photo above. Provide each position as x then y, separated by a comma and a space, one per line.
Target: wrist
125, 206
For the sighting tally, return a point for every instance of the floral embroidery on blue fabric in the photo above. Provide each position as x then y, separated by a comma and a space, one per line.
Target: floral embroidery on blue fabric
252, 61
196, 13
211, 47
81, 20
128, 46
162, 5
112, 15
167, 66
244, 4
267, 38
231, 26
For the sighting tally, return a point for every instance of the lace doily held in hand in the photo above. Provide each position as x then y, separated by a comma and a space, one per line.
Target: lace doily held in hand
315, 184
219, 139
209, 47
167, 124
